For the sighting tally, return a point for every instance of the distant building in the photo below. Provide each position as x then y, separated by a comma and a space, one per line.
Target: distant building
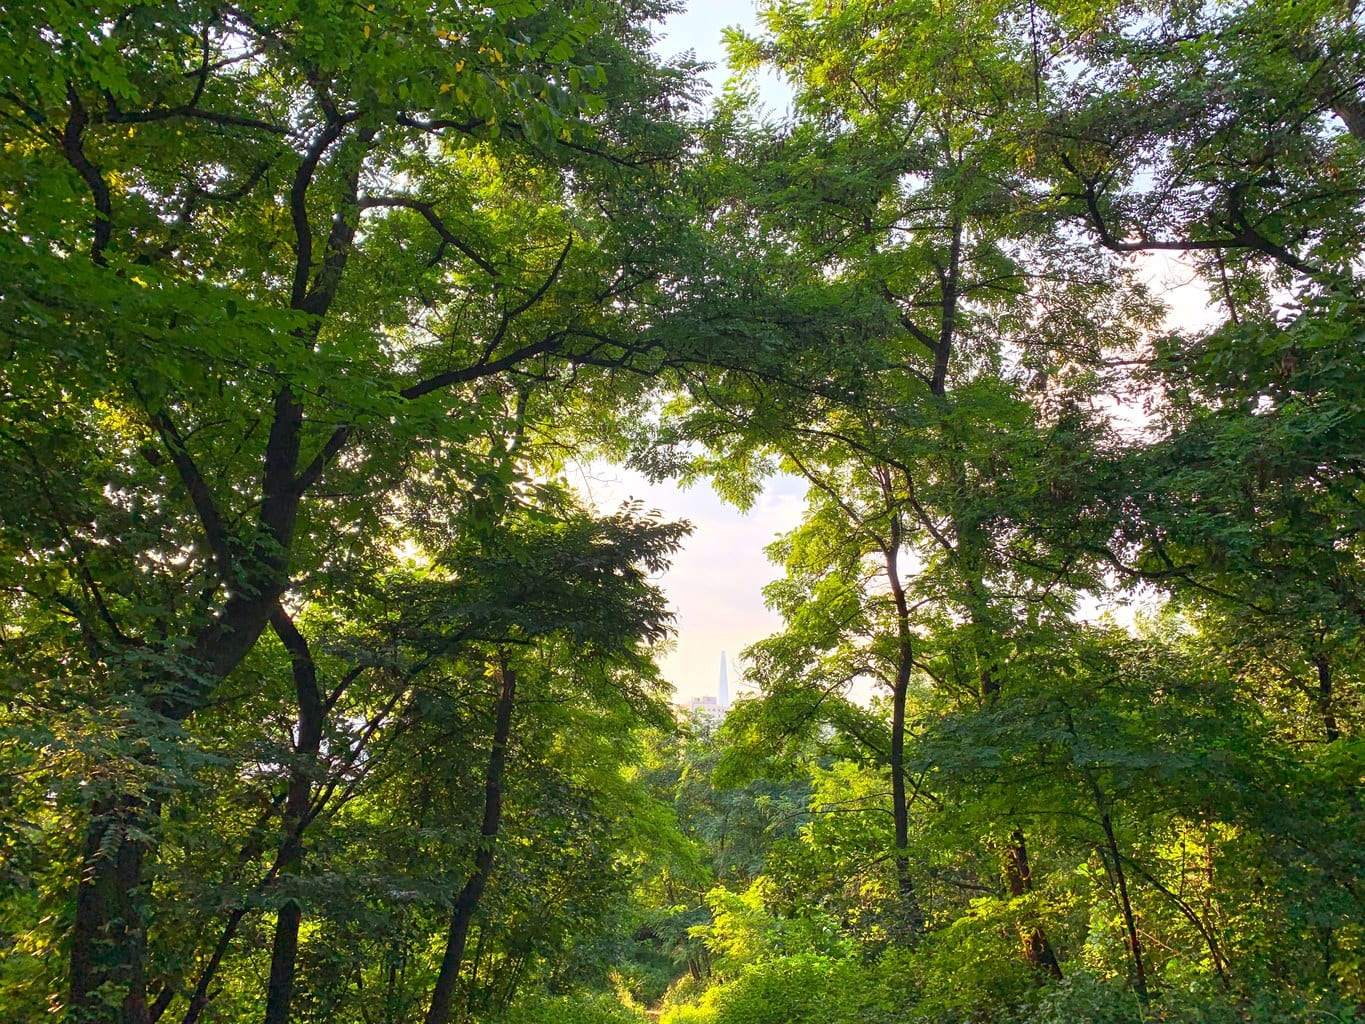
708, 707
712, 708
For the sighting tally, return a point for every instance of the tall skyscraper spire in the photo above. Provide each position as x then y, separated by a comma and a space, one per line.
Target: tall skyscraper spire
723, 696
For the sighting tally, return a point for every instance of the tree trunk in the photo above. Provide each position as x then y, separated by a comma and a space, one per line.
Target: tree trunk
199, 998
462, 914
1335, 91
1019, 877
109, 941
1038, 952
109, 933
900, 809
285, 946
900, 803
1126, 906
1324, 698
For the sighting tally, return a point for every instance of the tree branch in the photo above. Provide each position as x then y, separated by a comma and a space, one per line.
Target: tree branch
200, 495
72, 141
1244, 236
429, 214
485, 368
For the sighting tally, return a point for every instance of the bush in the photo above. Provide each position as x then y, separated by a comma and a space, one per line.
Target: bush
598, 1008
913, 988
807, 989
1085, 999
683, 992
971, 970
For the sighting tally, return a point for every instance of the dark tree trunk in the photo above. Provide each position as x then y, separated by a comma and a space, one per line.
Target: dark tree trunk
1115, 860
109, 944
900, 809
109, 941
943, 350
1126, 906
1352, 113
285, 946
1019, 877
109, 930
900, 802
467, 902
1038, 952
1335, 91
1324, 698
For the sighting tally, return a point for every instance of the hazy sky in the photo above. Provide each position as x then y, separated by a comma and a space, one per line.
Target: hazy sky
715, 585
699, 28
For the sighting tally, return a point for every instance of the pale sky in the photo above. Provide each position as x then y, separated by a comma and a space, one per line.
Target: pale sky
699, 29
716, 582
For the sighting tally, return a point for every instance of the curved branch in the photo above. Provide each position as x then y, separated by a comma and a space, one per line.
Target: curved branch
198, 490
428, 213
484, 368
1243, 237
72, 138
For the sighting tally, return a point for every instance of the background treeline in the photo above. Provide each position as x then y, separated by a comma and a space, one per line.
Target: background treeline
325, 697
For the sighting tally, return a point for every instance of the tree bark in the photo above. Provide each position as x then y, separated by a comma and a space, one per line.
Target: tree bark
285, 945
1126, 906
1115, 859
900, 804
1324, 698
1038, 951
108, 933
467, 902
199, 998
109, 941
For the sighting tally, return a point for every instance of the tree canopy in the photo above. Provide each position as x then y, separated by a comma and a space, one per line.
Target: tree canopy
327, 697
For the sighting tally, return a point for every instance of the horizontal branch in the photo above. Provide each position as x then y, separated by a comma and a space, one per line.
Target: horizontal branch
484, 368
1243, 237
113, 115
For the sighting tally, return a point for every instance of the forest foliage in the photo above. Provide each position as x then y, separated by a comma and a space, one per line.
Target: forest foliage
324, 696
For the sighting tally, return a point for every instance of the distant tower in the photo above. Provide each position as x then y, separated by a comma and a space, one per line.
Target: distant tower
723, 697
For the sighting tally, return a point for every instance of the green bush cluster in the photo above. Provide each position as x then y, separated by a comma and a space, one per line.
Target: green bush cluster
805, 989
821, 990
584, 1008
1086, 999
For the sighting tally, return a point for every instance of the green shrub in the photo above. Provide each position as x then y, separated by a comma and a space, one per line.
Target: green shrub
584, 1008
971, 970
806, 989
1085, 999
689, 1014
683, 992
919, 987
